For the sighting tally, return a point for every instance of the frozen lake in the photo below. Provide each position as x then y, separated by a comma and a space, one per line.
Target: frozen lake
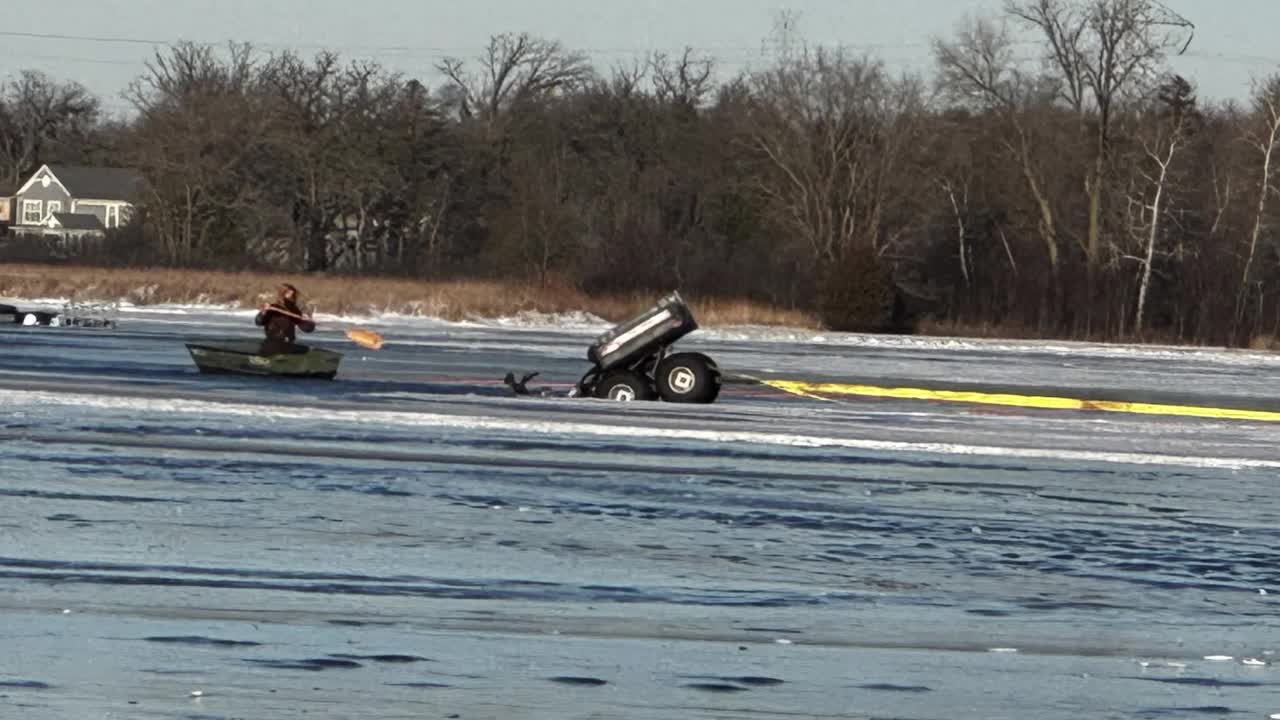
410, 541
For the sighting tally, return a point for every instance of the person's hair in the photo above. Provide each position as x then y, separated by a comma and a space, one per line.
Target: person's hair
287, 286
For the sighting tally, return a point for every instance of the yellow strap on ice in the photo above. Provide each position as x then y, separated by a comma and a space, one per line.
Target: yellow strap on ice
806, 389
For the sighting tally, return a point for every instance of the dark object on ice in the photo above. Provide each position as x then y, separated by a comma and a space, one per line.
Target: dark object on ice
251, 357
200, 640
633, 361
520, 387
752, 680
9, 313
89, 322
49, 318
384, 658
715, 687
584, 681
312, 664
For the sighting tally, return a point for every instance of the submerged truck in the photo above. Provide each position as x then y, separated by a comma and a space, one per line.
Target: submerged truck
635, 360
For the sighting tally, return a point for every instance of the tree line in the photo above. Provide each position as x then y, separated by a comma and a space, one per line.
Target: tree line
1051, 175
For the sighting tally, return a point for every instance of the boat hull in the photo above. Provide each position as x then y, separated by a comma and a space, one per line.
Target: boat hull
246, 358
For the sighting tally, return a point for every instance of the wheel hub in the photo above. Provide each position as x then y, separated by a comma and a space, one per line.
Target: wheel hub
622, 392
682, 380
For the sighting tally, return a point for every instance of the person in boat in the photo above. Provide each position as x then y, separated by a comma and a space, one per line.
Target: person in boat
279, 320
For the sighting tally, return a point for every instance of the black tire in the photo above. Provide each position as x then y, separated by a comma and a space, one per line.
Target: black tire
688, 378
623, 385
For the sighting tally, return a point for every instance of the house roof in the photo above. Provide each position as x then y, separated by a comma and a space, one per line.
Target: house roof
98, 183
78, 221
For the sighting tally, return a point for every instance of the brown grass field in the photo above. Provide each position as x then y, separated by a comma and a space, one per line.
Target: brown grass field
448, 300
342, 295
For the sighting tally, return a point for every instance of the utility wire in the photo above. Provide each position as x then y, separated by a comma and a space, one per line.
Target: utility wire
445, 51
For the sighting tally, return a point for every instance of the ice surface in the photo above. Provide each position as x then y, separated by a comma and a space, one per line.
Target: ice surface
411, 541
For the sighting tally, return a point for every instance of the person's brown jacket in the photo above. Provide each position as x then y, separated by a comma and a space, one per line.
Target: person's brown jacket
280, 327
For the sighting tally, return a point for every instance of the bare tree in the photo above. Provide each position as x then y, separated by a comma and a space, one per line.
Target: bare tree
1263, 135
685, 81
415, 209
832, 130
979, 70
1160, 149
36, 113
513, 68
1100, 52
326, 141
956, 189
626, 81
187, 70
197, 139
538, 223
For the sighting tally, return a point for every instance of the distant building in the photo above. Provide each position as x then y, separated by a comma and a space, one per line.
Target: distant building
69, 205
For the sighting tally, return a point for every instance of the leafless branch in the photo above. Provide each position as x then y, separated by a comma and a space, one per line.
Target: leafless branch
513, 69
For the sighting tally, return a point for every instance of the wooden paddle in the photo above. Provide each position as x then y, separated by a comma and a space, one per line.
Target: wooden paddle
364, 338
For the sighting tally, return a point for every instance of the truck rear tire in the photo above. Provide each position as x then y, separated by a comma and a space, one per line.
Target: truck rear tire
688, 378
623, 385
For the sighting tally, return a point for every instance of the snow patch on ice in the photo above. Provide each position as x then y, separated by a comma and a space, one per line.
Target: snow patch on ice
532, 319
13, 398
182, 308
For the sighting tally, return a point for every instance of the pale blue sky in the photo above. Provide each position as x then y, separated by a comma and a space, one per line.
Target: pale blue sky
1234, 38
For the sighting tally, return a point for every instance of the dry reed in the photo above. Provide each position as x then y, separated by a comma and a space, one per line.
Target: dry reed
346, 295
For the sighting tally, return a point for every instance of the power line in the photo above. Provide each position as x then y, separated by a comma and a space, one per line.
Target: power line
88, 38
443, 51
1238, 58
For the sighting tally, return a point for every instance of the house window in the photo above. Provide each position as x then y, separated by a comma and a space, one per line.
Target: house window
52, 206
32, 212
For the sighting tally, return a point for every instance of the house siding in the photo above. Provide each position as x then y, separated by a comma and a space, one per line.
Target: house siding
38, 191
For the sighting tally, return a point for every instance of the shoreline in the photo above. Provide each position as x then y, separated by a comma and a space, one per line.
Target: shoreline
584, 323
343, 296
489, 303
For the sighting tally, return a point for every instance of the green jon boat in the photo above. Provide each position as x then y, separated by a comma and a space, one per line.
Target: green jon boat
243, 357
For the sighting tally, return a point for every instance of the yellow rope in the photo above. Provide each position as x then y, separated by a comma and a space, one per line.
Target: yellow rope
806, 389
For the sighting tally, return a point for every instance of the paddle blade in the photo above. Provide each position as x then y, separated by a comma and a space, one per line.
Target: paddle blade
365, 338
